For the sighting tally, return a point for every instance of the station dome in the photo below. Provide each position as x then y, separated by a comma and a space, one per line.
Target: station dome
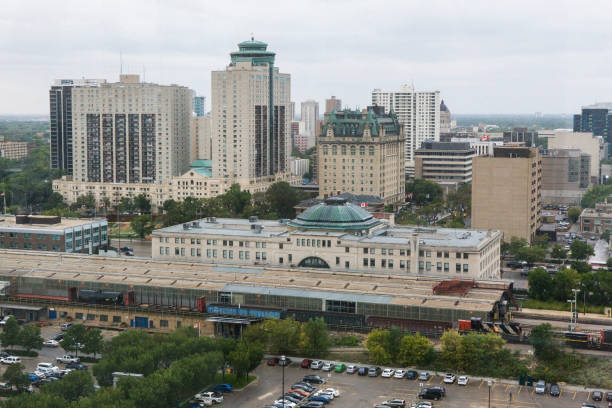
335, 214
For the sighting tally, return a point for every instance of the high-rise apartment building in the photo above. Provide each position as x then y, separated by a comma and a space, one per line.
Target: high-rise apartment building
199, 105
332, 104
506, 192
130, 131
13, 150
310, 116
418, 112
362, 153
597, 119
201, 142
251, 115
60, 118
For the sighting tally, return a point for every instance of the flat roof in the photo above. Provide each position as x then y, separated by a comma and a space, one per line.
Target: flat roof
304, 283
8, 221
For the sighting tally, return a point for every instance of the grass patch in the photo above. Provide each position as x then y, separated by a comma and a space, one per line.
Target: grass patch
359, 357
237, 383
555, 305
346, 341
124, 228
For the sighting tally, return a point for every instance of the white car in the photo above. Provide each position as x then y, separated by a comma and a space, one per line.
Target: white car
51, 343
67, 358
47, 367
388, 373
214, 396
325, 394
316, 365
400, 373
328, 366
423, 404
351, 369
287, 403
463, 380
332, 391
10, 360
450, 378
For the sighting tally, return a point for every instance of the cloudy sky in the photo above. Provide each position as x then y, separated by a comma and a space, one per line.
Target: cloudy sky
483, 56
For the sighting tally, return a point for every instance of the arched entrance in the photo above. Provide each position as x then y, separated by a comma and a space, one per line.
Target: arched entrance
313, 262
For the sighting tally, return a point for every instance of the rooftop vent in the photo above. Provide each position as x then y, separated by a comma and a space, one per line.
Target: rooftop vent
195, 224
186, 226
256, 228
211, 219
253, 218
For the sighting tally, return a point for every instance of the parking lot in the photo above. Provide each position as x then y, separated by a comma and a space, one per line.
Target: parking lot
360, 392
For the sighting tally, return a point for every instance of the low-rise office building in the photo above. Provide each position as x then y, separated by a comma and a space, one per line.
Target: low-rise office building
13, 150
444, 162
596, 220
565, 176
334, 235
52, 233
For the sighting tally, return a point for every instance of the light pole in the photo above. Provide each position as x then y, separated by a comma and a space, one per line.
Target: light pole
575, 291
282, 363
490, 384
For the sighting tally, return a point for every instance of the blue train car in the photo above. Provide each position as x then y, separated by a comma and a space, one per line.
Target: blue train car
230, 310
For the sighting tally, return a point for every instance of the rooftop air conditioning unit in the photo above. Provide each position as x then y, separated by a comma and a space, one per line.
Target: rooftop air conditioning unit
253, 218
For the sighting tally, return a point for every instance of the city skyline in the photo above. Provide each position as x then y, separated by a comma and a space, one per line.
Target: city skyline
486, 58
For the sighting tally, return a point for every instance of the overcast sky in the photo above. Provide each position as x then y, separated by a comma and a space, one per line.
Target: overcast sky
483, 56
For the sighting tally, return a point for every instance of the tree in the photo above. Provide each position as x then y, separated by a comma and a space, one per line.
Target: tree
544, 346
315, 337
55, 200
423, 191
415, 350
573, 214
87, 201
377, 344
284, 335
226, 345
126, 205
580, 250
10, 335
74, 385
236, 200
378, 355
15, 376
562, 284
531, 254
541, 240
29, 337
516, 244
282, 198
93, 342
142, 225
74, 338
451, 342
142, 204
609, 263
540, 284
558, 252
605, 236
246, 357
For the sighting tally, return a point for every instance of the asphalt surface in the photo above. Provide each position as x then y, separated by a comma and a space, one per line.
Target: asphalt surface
141, 248
360, 392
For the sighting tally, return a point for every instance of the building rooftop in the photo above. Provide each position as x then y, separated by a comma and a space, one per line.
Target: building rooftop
348, 123
203, 167
335, 214
356, 199
42, 222
599, 105
254, 52
429, 145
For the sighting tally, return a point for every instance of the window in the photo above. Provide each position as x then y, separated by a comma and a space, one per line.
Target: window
365, 261
421, 265
192, 241
340, 306
372, 251
402, 264
199, 252
446, 254
41, 236
347, 264
161, 250
457, 267
27, 235
280, 260
78, 316
182, 251
116, 319
402, 252
458, 255
176, 240
91, 316
439, 254
337, 260
163, 323
346, 249
465, 255
428, 254
428, 266
390, 263
465, 267
167, 250
192, 251
445, 266
390, 252
372, 262
383, 251
224, 254
104, 318
182, 240
365, 250
383, 263
439, 266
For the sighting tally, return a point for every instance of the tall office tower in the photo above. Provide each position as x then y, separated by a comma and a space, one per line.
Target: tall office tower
251, 105
199, 105
597, 119
60, 118
201, 144
130, 131
362, 153
418, 112
332, 104
310, 116
507, 192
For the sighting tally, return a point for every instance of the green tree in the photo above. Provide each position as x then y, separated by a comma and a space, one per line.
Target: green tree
609, 263
142, 204
516, 244
315, 337
246, 357
55, 200
558, 252
581, 267
531, 254
423, 191
226, 345
93, 342
10, 335
377, 344
605, 236
540, 284
73, 386
451, 343
562, 284
74, 338
541, 240
35, 400
580, 250
142, 225
378, 355
87, 201
544, 346
573, 214
15, 377
282, 198
284, 336
30, 338
415, 350
126, 205
236, 200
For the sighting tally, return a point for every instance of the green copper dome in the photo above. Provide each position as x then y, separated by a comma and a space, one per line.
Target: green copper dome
335, 214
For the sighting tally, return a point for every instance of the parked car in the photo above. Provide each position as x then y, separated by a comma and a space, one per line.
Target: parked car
10, 360
304, 385
412, 375
291, 398
589, 405
305, 363
609, 396
316, 365
47, 366
424, 376
597, 395
327, 395
540, 387
223, 387
340, 367
314, 379
388, 373
67, 358
215, 396
5, 319
286, 403
76, 366
401, 373
373, 371
516, 264
66, 326
285, 362
332, 391
328, 366
51, 343
463, 380
450, 378
351, 369
299, 391
431, 394
395, 403
273, 361
58, 337
555, 391
362, 371
313, 404
320, 398
423, 404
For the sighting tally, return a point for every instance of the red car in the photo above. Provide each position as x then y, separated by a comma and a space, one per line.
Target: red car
273, 361
305, 363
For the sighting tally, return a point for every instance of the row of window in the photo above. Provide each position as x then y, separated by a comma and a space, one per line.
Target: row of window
28, 235
353, 150
225, 242
117, 319
28, 245
213, 253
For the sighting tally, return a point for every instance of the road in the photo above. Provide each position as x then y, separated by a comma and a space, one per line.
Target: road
141, 248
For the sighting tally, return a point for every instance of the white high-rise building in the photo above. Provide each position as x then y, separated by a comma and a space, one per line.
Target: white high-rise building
130, 131
418, 112
251, 115
310, 116
201, 145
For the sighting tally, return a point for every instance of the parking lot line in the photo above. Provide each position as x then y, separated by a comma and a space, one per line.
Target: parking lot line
430, 380
481, 382
520, 388
574, 397
442, 381
589, 396
507, 386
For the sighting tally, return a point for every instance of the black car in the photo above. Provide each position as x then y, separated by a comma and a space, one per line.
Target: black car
284, 362
295, 395
597, 396
362, 371
374, 371
412, 375
439, 389
431, 394
608, 396
313, 404
76, 366
555, 391
4, 354
58, 337
290, 398
314, 379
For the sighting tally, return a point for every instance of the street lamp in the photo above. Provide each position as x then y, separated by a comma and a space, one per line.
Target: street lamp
282, 363
490, 384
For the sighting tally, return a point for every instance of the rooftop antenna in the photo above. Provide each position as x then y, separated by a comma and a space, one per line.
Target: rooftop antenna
252, 37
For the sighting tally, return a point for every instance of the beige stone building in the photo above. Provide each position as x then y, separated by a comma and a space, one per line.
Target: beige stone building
201, 142
444, 162
565, 176
251, 115
594, 146
13, 150
596, 221
130, 131
334, 235
506, 192
362, 153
